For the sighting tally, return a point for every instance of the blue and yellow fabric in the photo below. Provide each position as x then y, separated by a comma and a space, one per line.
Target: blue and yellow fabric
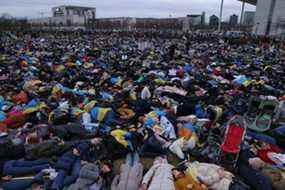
35, 108
242, 80
123, 137
99, 114
119, 135
116, 81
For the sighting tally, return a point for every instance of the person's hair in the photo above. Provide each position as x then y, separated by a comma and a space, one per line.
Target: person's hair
178, 169
108, 163
33, 139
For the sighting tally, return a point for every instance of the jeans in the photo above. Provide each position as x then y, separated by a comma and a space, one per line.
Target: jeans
63, 179
23, 183
132, 159
252, 177
22, 167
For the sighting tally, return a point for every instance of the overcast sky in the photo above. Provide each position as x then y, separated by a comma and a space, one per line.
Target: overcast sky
117, 8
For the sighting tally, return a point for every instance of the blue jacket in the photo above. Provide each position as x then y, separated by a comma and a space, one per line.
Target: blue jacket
66, 161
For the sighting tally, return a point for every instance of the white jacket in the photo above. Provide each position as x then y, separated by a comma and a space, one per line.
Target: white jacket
210, 174
159, 177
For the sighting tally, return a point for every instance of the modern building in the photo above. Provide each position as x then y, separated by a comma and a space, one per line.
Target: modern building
196, 19
73, 15
68, 16
233, 20
143, 24
248, 18
269, 17
214, 21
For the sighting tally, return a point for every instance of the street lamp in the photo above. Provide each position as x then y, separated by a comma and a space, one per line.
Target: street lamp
242, 13
221, 15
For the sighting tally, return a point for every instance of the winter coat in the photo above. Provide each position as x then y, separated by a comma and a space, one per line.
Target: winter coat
209, 174
43, 150
15, 119
129, 178
66, 161
89, 174
159, 177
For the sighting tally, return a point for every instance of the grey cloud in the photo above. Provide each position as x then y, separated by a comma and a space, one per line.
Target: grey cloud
117, 8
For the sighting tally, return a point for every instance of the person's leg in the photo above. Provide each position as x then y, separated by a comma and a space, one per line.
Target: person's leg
18, 184
254, 178
10, 169
23, 183
129, 159
24, 163
136, 158
59, 180
176, 149
74, 174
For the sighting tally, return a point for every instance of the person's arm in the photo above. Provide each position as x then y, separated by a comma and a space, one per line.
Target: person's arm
86, 120
208, 178
147, 177
91, 173
140, 173
115, 182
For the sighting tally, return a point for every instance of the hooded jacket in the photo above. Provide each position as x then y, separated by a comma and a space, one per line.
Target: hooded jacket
159, 176
129, 178
89, 175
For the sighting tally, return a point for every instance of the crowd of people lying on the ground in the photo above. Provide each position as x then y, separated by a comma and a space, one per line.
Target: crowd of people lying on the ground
91, 111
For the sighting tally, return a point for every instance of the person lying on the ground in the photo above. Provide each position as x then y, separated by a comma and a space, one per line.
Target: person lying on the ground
92, 176
68, 166
131, 174
159, 176
213, 176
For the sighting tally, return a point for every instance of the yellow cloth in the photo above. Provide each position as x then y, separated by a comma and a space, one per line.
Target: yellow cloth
126, 112
159, 81
102, 113
152, 114
192, 171
59, 68
133, 96
88, 107
55, 90
187, 183
119, 135
246, 83
35, 109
